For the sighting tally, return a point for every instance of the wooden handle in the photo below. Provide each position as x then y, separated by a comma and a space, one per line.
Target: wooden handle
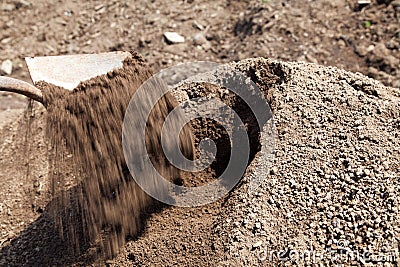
20, 87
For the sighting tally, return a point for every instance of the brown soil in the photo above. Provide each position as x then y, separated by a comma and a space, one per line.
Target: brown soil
286, 209
94, 202
329, 122
102, 198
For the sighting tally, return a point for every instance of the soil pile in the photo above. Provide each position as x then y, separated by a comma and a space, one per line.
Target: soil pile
332, 193
102, 203
333, 188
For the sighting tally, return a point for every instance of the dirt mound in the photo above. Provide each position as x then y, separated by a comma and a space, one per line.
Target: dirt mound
333, 186
332, 190
332, 195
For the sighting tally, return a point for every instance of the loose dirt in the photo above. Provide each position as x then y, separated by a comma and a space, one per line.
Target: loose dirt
333, 185
102, 203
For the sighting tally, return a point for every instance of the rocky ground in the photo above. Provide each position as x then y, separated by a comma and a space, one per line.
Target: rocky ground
333, 187
360, 38
331, 192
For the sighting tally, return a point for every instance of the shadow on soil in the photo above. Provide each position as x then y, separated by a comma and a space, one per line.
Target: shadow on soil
41, 244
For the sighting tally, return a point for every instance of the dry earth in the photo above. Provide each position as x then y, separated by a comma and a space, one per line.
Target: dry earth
334, 184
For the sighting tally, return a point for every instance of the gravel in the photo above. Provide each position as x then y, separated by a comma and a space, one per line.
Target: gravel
334, 185
174, 38
330, 196
6, 67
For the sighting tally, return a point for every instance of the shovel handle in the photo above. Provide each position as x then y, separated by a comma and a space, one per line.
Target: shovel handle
20, 87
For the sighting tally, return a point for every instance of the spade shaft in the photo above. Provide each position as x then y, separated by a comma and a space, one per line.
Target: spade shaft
20, 87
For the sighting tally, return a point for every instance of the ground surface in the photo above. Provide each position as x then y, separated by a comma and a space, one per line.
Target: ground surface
335, 185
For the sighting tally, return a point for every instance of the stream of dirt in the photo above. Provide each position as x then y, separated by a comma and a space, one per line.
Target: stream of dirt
102, 203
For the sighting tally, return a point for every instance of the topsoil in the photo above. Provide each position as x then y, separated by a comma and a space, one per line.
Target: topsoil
334, 184
101, 202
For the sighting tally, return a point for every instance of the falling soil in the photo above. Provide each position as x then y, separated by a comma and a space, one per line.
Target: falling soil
102, 204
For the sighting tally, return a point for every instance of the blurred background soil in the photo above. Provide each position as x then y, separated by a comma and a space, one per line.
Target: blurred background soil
353, 35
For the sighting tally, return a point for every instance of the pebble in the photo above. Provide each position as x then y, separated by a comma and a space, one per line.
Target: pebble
109, 262
257, 244
174, 38
22, 3
206, 45
199, 39
370, 48
364, 2
396, 4
8, 7
6, 67
274, 170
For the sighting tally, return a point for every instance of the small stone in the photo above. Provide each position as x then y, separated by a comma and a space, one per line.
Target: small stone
206, 46
257, 244
359, 172
6, 67
341, 43
8, 7
292, 183
311, 59
22, 3
358, 122
199, 39
370, 48
364, 2
6, 40
385, 165
198, 25
362, 50
174, 38
274, 170
109, 262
